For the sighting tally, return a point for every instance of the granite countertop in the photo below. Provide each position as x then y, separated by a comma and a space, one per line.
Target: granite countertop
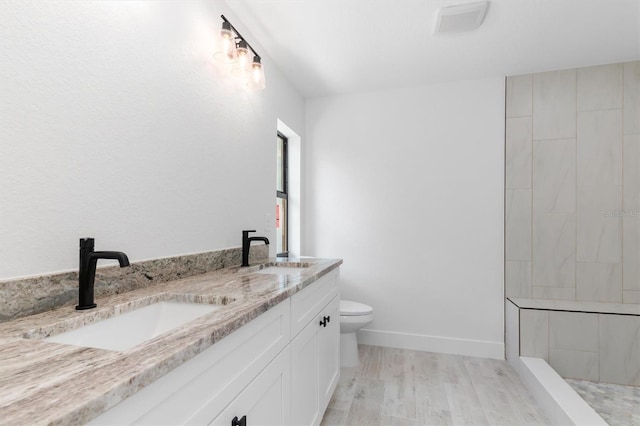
49, 383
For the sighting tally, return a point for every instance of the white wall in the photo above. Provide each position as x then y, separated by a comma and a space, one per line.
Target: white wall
407, 186
115, 123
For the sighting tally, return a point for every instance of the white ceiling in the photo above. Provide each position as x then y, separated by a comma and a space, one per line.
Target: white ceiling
328, 47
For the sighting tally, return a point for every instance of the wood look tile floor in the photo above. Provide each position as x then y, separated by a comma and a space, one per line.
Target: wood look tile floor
401, 387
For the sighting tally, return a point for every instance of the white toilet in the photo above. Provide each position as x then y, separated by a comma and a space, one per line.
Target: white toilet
353, 316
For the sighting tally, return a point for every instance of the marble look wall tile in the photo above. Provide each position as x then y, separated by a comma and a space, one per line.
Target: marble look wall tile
554, 250
599, 228
575, 364
631, 297
519, 95
584, 158
518, 224
600, 87
575, 331
534, 333
512, 330
620, 349
518, 279
518, 153
599, 148
554, 105
554, 176
556, 293
631, 172
631, 214
631, 253
631, 98
599, 282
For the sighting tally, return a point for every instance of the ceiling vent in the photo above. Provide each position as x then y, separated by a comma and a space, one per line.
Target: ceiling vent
460, 18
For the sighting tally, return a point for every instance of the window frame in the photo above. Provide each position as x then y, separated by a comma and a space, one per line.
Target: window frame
284, 194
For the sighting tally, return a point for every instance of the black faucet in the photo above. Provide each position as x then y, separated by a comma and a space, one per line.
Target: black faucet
88, 260
246, 244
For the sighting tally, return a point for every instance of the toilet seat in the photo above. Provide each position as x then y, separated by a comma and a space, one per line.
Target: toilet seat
350, 308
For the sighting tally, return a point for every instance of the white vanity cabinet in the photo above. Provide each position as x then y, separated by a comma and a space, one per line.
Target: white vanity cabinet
197, 391
261, 374
315, 363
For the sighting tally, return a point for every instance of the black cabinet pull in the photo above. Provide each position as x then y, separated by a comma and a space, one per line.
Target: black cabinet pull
241, 422
325, 320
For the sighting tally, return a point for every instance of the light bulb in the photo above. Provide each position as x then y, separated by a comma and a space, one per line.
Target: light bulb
256, 81
241, 67
227, 53
243, 55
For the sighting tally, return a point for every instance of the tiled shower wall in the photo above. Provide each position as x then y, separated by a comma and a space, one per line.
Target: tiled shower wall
573, 184
579, 345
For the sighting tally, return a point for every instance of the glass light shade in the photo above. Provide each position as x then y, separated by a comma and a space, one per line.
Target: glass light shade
242, 64
256, 79
227, 52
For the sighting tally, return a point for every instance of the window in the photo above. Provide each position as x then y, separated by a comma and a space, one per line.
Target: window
282, 198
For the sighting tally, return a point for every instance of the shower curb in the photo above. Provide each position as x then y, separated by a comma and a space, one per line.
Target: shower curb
561, 404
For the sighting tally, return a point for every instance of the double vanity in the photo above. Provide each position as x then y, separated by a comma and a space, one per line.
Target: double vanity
239, 346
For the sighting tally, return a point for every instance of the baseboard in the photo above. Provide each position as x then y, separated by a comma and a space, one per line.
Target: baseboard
421, 342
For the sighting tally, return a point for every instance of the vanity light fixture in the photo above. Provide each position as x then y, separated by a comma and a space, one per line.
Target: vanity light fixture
246, 64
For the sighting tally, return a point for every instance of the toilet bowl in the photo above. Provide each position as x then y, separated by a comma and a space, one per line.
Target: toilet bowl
353, 316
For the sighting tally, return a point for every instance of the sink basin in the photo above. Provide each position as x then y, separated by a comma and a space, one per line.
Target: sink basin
127, 330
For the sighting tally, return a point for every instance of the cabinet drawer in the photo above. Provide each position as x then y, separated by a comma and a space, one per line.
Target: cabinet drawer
202, 387
306, 304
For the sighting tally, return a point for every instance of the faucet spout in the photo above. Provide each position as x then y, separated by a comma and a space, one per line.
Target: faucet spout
263, 239
122, 258
246, 245
87, 271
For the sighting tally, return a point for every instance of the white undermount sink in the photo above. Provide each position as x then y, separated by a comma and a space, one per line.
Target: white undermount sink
129, 329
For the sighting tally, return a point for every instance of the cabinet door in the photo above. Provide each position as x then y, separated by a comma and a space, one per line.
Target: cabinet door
305, 408
329, 346
307, 304
266, 400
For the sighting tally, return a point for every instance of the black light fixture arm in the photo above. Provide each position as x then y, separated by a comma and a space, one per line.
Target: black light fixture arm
240, 36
